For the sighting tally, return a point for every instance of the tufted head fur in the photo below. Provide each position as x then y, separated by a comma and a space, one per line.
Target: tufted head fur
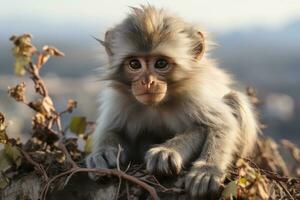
151, 31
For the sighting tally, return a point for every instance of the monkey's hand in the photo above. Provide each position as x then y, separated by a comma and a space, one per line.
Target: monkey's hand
204, 182
105, 157
163, 161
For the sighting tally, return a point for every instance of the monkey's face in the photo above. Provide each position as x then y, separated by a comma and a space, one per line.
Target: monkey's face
148, 77
154, 55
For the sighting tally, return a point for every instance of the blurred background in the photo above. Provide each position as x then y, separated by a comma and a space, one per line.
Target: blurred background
258, 41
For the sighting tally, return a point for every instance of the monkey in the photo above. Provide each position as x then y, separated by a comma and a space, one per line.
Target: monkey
168, 104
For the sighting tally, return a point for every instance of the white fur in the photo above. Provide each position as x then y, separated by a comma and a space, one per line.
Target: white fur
209, 116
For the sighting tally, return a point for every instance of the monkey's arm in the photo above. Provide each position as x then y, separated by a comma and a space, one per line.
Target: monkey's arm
169, 158
108, 138
232, 131
203, 180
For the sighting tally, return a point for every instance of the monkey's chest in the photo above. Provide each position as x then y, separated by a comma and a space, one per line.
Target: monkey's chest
140, 134
154, 124
137, 147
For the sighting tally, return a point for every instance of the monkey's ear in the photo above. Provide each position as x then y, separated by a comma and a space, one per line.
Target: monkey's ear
106, 42
199, 46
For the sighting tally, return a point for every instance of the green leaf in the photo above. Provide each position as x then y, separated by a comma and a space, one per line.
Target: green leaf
3, 136
19, 66
14, 154
78, 125
243, 182
4, 181
5, 161
88, 144
230, 190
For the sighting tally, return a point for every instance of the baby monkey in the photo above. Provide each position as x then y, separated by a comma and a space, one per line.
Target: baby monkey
168, 105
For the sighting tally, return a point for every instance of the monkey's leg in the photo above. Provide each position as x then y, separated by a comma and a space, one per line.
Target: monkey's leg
169, 158
104, 154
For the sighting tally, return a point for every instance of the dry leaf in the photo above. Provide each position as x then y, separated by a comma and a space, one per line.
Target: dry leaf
18, 92
22, 51
230, 190
71, 105
44, 106
52, 51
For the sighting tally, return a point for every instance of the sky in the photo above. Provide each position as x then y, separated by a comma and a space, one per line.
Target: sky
224, 15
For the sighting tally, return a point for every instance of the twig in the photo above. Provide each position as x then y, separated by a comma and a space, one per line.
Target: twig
118, 156
127, 191
104, 171
293, 149
38, 82
163, 188
47, 185
269, 174
137, 169
119, 169
285, 190
119, 188
66, 152
128, 167
35, 164
64, 111
276, 177
59, 127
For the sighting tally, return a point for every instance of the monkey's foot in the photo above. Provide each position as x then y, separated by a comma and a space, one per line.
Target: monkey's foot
204, 182
104, 158
163, 161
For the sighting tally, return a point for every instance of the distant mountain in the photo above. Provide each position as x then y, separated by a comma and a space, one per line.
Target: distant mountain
263, 57
258, 56
74, 39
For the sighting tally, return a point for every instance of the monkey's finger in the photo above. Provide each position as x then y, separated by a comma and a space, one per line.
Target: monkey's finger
162, 162
175, 163
111, 158
189, 180
99, 161
194, 186
151, 164
151, 160
203, 187
90, 162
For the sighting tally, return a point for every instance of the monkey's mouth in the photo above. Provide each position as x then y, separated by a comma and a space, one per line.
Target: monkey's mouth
150, 98
150, 93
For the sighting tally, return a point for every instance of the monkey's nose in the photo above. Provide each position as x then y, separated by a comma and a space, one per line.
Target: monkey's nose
149, 85
148, 82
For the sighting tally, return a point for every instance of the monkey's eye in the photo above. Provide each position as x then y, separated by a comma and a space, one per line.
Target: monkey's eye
135, 64
161, 64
